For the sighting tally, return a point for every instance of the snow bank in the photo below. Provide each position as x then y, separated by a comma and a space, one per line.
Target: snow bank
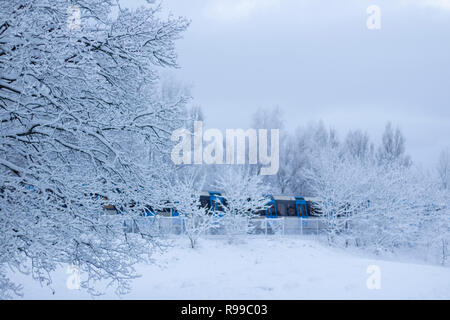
265, 268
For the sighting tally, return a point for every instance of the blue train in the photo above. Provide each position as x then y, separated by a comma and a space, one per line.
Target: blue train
278, 206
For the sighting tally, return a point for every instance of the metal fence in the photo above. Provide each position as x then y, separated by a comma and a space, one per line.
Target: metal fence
159, 225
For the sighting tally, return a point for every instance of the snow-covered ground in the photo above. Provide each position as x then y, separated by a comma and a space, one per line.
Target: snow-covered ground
266, 268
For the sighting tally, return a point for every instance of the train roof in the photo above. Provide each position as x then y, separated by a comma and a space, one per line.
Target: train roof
285, 198
274, 197
312, 199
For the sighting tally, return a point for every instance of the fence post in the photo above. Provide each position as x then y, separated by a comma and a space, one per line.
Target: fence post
317, 229
160, 228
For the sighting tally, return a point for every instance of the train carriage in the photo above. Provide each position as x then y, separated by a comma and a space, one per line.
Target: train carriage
287, 206
277, 205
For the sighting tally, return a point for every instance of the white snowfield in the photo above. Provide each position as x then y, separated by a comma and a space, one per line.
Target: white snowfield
265, 268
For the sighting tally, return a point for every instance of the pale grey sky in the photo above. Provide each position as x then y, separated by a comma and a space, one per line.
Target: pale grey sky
316, 59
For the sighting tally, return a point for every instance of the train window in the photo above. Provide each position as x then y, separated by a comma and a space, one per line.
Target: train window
302, 210
282, 210
314, 210
165, 212
224, 202
271, 210
204, 203
291, 211
217, 205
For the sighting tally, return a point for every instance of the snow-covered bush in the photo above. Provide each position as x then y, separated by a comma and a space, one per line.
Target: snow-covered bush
437, 228
383, 207
185, 198
244, 196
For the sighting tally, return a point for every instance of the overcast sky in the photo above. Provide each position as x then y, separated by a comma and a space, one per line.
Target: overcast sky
316, 59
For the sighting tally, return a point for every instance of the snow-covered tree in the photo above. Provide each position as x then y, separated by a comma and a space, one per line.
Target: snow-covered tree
308, 141
370, 205
292, 160
392, 148
79, 108
268, 118
443, 168
438, 223
297, 149
358, 145
184, 195
245, 194
291, 154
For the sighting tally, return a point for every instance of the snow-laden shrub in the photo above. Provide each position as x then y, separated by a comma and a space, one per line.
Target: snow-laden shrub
378, 206
244, 196
184, 197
